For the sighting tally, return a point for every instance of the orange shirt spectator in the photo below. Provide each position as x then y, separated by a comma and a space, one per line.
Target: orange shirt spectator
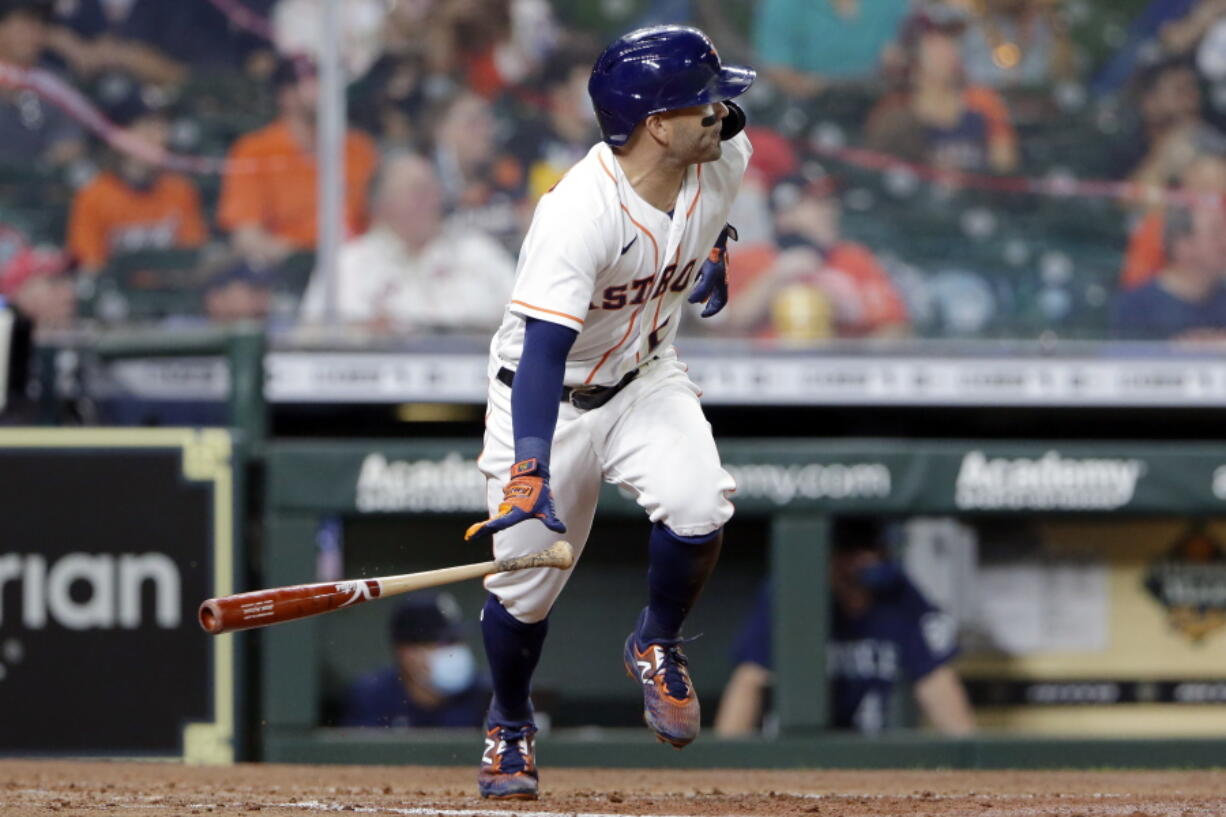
811, 283
1144, 258
937, 118
845, 293
109, 215
1202, 176
273, 185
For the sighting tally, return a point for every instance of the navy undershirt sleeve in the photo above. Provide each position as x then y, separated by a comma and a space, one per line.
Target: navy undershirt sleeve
537, 389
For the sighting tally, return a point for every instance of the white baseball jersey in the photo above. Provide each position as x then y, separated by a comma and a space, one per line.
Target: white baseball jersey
604, 262
601, 260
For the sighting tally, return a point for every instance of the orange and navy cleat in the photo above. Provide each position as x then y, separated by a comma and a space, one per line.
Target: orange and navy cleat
670, 704
508, 764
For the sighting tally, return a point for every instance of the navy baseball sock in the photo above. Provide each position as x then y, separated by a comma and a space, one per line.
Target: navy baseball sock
678, 568
513, 648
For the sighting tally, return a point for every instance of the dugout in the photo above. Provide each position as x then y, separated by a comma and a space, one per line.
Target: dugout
791, 487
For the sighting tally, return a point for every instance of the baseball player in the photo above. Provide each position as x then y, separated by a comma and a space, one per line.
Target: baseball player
585, 385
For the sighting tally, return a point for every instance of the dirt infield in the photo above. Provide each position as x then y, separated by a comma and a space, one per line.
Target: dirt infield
64, 789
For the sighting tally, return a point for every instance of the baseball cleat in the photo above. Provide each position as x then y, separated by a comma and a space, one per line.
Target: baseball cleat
508, 764
670, 704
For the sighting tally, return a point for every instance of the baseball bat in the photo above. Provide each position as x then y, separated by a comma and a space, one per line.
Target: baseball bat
259, 608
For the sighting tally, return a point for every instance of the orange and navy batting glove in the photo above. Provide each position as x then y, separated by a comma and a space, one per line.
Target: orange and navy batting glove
526, 496
711, 285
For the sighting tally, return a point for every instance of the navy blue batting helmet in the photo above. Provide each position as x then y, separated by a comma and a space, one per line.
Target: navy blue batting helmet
657, 69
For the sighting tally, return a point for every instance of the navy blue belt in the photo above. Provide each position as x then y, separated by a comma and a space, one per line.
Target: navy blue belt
584, 398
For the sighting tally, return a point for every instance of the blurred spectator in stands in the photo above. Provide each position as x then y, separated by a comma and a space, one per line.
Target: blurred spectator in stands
1187, 299
237, 293
491, 44
32, 129
549, 143
434, 681
1172, 130
1209, 22
268, 195
298, 29
1163, 28
413, 272
774, 159
1203, 178
804, 45
134, 204
813, 284
882, 630
482, 182
1017, 43
391, 101
937, 118
157, 41
35, 280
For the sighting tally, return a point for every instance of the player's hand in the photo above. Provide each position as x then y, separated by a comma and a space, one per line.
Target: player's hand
526, 496
711, 286
733, 123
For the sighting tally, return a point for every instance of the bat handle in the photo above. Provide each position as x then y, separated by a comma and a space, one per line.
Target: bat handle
560, 555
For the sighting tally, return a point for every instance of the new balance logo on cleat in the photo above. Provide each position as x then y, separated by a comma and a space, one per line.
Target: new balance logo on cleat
670, 705
647, 669
508, 764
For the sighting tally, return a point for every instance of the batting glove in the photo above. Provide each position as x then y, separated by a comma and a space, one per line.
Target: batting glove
711, 286
526, 496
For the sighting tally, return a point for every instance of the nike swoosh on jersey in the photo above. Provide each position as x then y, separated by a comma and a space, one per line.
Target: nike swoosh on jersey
628, 246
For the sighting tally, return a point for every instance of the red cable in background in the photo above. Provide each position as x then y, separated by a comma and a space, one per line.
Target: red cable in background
242, 17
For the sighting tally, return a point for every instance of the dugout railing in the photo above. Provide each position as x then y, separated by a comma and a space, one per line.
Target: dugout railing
798, 485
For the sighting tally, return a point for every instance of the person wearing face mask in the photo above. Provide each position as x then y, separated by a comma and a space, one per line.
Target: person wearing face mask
434, 681
882, 630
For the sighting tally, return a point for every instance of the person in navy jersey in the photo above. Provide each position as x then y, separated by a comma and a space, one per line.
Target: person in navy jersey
1187, 299
434, 682
882, 631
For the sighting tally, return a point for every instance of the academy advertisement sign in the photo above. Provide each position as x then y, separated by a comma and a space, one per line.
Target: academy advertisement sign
1051, 481
107, 552
802, 475
448, 484
452, 483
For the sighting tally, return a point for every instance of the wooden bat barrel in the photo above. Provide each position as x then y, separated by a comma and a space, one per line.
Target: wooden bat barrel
262, 607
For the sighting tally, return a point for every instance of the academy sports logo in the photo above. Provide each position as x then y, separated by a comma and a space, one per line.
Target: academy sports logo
453, 483
1190, 582
1050, 482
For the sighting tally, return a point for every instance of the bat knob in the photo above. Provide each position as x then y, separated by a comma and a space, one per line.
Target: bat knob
210, 617
561, 554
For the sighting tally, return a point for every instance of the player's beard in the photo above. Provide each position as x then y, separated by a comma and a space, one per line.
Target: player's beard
707, 148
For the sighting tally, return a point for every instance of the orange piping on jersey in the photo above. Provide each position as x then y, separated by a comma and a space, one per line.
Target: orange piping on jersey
697, 194
655, 248
614, 348
605, 168
655, 321
550, 311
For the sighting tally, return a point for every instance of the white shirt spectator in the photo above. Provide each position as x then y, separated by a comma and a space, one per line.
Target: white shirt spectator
298, 28
460, 280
